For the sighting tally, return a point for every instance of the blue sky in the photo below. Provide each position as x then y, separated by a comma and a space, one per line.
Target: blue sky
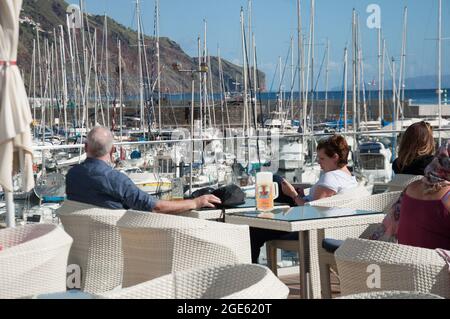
274, 21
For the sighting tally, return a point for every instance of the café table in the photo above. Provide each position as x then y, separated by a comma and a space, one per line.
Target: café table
219, 213
308, 221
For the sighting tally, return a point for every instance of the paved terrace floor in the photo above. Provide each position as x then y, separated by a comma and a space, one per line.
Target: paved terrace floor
293, 282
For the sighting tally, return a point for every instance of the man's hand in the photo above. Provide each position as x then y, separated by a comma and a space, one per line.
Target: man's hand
288, 189
206, 201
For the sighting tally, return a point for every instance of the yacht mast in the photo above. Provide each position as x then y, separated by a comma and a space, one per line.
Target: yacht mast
439, 91
141, 76
74, 80
394, 96
354, 54
222, 86
211, 89
401, 80
327, 70
292, 78
383, 54
280, 90
380, 115
40, 80
313, 13
120, 93
200, 85
95, 79
345, 87
34, 79
64, 77
205, 81
358, 72
308, 64
250, 39
107, 71
404, 54
255, 83
222, 98
244, 66
158, 79
84, 98
300, 61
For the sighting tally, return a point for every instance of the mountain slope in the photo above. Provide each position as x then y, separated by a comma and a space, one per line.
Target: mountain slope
47, 15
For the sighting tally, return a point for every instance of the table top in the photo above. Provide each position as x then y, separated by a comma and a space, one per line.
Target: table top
216, 213
69, 294
304, 218
249, 203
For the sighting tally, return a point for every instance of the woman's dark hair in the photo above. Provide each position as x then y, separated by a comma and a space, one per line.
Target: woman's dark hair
335, 144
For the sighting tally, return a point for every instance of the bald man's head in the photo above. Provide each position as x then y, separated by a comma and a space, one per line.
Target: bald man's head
99, 142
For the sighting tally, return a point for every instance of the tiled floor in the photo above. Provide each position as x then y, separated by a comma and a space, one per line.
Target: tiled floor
293, 282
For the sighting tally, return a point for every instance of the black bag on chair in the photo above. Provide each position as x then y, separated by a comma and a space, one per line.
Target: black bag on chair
202, 191
230, 196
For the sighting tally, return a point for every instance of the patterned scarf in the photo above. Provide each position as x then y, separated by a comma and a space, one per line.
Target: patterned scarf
437, 173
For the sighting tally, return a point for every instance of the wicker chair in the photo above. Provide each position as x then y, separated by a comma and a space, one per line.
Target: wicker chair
379, 202
392, 295
239, 281
339, 200
158, 244
401, 181
33, 260
97, 246
403, 268
318, 255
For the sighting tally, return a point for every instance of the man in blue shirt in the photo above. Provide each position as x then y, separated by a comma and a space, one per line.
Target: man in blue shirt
96, 182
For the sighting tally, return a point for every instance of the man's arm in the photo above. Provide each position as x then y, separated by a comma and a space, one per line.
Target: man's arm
135, 198
176, 207
129, 194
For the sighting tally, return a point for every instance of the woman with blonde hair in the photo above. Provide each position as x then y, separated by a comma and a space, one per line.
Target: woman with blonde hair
416, 150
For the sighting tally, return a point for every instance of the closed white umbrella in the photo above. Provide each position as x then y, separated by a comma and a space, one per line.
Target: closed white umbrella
15, 116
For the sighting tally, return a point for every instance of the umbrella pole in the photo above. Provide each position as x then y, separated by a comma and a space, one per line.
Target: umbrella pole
10, 210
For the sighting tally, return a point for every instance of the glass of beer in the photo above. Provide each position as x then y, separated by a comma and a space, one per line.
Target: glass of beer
265, 191
177, 189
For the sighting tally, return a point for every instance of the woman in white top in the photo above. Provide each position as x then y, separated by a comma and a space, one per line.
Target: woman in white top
332, 156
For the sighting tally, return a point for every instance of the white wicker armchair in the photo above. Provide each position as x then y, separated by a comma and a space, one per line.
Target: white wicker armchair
239, 281
392, 295
318, 255
400, 181
33, 260
158, 244
341, 198
97, 246
403, 268
379, 202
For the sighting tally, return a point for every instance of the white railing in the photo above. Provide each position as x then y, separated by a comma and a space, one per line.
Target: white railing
236, 137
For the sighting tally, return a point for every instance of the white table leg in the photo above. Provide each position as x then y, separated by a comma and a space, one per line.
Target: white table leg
303, 238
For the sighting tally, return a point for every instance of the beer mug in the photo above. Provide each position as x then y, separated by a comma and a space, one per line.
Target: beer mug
265, 191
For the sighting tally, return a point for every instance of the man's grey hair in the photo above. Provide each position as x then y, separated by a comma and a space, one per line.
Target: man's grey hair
100, 141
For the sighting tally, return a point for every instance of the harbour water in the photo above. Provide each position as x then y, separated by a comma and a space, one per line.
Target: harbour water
422, 96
